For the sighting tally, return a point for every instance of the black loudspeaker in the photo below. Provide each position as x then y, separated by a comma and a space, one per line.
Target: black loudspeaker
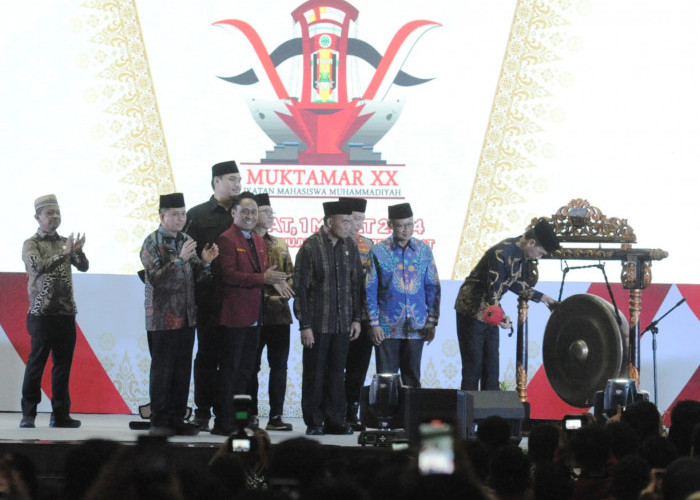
449, 405
505, 404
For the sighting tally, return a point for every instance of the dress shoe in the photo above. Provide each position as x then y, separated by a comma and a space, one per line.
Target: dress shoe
203, 423
27, 422
65, 422
161, 430
338, 429
355, 424
277, 424
314, 431
185, 428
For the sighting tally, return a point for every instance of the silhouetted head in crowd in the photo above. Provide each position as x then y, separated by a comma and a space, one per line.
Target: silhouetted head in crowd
684, 415
681, 479
231, 472
83, 464
644, 418
494, 432
624, 440
590, 448
389, 481
658, 451
553, 481
478, 454
298, 460
142, 472
543, 442
337, 488
509, 473
444, 487
18, 477
695, 441
630, 476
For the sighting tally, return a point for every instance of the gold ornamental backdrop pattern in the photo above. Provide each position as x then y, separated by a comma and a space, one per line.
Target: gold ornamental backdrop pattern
130, 123
506, 179
137, 156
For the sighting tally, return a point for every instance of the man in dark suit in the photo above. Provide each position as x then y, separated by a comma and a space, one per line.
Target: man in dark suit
243, 271
205, 223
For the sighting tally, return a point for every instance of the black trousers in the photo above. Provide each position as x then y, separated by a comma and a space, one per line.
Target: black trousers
356, 366
171, 366
55, 335
478, 347
206, 366
276, 338
322, 385
238, 353
401, 355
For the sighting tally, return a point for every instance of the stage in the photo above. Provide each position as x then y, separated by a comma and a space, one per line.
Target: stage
116, 427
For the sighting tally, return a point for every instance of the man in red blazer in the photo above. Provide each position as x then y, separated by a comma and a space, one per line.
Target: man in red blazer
243, 271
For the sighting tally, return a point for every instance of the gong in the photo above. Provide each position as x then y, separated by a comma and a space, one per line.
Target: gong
584, 347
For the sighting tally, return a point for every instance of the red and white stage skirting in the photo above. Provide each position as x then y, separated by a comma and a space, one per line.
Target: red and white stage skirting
110, 370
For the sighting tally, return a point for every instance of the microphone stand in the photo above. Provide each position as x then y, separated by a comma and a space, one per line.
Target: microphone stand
654, 330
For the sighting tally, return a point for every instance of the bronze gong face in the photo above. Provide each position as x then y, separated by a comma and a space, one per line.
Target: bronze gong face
583, 347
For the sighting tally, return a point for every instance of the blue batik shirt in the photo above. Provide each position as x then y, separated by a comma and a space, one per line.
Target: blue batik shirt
403, 289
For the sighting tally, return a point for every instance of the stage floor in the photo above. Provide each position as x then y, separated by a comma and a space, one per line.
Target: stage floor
116, 427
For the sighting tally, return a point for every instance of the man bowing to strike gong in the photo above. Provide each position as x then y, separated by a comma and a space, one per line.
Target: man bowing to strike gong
503, 267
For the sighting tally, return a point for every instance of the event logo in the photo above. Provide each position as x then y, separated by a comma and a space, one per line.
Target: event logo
325, 124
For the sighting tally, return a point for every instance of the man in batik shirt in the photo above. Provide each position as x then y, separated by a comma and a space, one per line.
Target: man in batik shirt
277, 318
328, 305
503, 267
403, 298
171, 265
48, 258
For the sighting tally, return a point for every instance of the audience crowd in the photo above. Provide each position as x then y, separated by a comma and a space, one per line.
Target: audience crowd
628, 457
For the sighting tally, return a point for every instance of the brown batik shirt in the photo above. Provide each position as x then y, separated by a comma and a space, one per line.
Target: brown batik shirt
49, 278
275, 307
170, 281
328, 280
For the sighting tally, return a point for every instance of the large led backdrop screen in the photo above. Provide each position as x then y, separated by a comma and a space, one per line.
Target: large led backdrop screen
481, 114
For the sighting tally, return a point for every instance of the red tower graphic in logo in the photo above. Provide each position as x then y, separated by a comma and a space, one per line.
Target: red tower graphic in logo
326, 125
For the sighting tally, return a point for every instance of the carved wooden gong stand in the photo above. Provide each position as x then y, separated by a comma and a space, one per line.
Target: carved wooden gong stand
577, 223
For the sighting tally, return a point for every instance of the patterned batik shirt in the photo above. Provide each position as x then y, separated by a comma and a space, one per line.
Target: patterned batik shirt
275, 307
170, 281
403, 289
503, 267
49, 278
327, 282
364, 246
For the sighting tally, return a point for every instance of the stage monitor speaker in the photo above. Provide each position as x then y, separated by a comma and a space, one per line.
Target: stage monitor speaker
619, 391
449, 405
505, 404
371, 420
